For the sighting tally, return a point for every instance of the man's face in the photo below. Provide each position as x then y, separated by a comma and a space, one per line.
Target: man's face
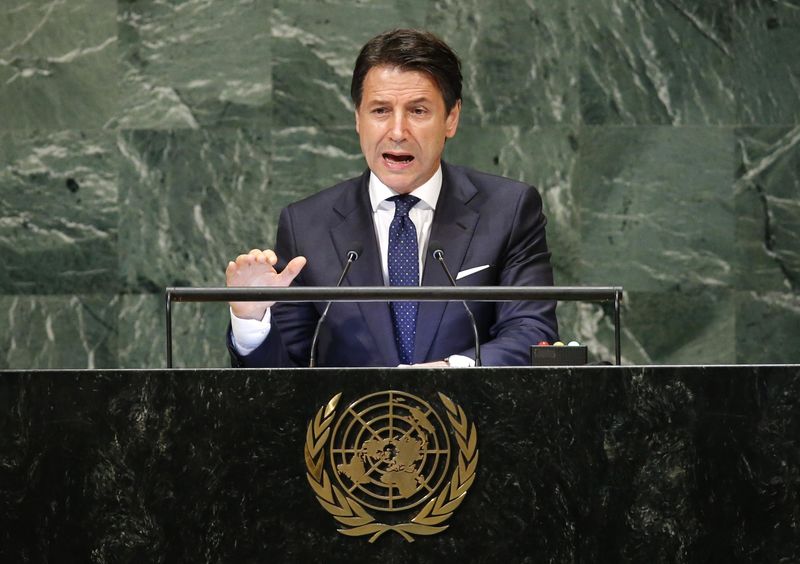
402, 124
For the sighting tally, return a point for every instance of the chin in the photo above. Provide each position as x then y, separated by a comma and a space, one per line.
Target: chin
402, 184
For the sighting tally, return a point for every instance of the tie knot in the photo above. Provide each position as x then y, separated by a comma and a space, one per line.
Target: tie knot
402, 204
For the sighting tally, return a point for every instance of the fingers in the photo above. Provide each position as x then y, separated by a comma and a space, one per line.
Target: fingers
256, 256
266, 256
232, 272
246, 272
292, 269
241, 271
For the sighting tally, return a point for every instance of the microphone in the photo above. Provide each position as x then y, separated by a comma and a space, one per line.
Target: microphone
352, 256
438, 254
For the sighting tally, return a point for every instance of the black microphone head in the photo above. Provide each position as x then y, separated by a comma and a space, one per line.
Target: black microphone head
435, 247
354, 251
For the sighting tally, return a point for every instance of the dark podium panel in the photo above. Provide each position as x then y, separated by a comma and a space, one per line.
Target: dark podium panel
591, 464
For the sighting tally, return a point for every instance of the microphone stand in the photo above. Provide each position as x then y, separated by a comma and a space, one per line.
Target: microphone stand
438, 254
352, 256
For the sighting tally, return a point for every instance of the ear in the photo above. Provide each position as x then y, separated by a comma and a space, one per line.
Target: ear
357, 124
451, 122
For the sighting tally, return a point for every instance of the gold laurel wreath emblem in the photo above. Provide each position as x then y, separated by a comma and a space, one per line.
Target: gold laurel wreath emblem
358, 521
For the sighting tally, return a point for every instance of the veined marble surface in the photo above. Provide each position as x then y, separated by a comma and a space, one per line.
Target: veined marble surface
656, 207
144, 143
190, 197
58, 64
659, 62
767, 198
59, 331
58, 212
767, 52
194, 63
678, 465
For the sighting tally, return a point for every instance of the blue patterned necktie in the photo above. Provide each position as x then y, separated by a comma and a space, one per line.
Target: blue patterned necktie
403, 271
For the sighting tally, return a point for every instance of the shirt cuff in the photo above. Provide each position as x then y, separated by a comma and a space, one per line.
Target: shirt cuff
459, 361
248, 334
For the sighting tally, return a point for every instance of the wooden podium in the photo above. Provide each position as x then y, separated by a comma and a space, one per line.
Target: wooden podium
591, 464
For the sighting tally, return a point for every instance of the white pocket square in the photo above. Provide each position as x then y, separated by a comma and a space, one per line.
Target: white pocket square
467, 272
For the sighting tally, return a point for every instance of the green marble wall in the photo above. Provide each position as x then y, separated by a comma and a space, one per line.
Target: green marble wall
143, 143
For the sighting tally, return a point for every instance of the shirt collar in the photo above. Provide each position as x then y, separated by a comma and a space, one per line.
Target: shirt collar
428, 193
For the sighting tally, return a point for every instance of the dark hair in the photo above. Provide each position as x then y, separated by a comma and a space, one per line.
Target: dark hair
410, 50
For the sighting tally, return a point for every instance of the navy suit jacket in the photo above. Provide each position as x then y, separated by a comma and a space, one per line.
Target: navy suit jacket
479, 219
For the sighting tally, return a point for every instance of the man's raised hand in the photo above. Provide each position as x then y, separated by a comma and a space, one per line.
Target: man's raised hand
257, 268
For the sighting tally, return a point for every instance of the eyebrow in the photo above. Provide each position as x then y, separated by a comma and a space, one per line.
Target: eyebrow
384, 101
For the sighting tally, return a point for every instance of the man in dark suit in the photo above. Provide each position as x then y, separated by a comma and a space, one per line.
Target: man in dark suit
407, 92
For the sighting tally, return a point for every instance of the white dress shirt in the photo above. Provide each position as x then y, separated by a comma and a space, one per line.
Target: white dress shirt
421, 215
248, 334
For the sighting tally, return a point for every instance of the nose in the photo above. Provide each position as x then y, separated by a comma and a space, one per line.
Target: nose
397, 133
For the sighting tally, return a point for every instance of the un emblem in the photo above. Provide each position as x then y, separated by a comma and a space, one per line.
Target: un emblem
390, 454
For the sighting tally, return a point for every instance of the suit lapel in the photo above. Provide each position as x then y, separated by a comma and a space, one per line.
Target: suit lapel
453, 227
357, 228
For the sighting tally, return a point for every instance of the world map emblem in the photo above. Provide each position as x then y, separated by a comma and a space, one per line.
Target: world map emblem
392, 463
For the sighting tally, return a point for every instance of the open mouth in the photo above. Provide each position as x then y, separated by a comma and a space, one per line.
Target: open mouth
397, 158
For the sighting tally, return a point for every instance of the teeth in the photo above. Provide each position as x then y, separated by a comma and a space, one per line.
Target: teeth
398, 158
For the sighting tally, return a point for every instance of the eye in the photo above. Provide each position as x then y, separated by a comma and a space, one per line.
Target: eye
419, 111
380, 111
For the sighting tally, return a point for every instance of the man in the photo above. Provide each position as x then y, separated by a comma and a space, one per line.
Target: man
406, 88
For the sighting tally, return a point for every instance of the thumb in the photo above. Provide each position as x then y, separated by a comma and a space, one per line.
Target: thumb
292, 269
